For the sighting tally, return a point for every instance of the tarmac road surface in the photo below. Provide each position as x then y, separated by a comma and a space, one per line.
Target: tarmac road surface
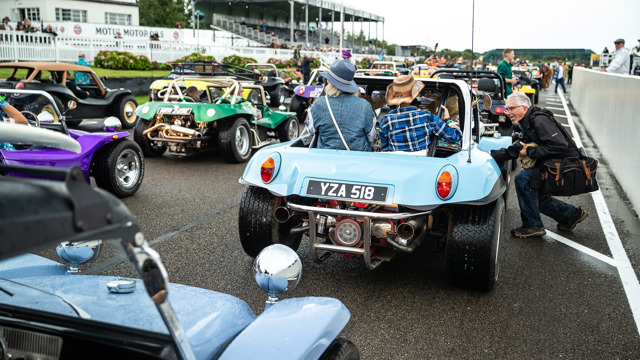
553, 298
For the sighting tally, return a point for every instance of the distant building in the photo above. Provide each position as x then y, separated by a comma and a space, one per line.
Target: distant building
108, 12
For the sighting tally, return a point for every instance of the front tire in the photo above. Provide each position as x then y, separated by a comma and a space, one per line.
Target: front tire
277, 96
472, 245
341, 349
235, 141
289, 129
126, 111
149, 147
257, 225
118, 167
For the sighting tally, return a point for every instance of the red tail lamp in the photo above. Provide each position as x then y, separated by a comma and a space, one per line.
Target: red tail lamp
301, 90
270, 167
444, 185
500, 110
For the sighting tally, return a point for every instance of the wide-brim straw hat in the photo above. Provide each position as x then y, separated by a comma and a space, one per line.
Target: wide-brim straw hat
341, 75
403, 90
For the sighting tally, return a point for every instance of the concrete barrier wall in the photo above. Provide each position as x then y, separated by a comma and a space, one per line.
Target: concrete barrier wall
609, 108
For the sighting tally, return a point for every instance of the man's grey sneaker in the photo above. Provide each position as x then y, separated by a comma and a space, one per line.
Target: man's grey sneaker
526, 232
577, 219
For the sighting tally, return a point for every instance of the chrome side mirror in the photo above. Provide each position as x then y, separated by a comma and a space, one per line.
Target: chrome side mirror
112, 124
71, 104
76, 253
277, 269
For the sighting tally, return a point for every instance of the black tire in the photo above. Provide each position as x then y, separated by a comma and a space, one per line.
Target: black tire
235, 140
257, 225
118, 167
536, 96
299, 107
472, 245
149, 147
341, 349
506, 176
289, 129
126, 111
277, 96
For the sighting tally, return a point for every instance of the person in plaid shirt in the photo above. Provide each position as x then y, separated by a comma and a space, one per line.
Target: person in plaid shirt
407, 128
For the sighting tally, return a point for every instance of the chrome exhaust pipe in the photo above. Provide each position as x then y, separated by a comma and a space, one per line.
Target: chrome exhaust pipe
411, 229
282, 214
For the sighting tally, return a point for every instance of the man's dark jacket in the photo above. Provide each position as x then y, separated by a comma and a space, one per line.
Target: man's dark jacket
306, 65
538, 127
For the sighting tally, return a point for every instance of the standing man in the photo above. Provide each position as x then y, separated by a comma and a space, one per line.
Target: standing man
621, 62
306, 69
538, 128
504, 69
560, 77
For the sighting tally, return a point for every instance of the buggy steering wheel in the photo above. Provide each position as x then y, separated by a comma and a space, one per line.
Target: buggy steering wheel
31, 118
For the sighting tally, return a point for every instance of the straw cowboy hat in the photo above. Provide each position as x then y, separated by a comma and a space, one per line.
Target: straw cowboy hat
403, 90
341, 75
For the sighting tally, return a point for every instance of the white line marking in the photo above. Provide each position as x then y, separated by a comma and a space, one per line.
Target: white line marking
582, 248
553, 108
564, 116
627, 274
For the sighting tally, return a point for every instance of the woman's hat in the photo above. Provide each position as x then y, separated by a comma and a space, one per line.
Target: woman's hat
403, 90
341, 75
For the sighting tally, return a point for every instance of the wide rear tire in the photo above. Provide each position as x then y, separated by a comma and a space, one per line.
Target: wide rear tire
299, 107
472, 245
118, 167
126, 111
289, 129
277, 96
235, 140
257, 225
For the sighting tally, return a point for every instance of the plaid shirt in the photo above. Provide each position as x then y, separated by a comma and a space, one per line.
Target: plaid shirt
408, 129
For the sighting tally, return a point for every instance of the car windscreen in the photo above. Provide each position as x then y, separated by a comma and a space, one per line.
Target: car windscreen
37, 103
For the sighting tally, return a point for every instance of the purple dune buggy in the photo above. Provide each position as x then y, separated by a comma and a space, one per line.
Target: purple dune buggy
114, 161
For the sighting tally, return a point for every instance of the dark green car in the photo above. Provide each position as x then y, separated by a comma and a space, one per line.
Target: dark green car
221, 118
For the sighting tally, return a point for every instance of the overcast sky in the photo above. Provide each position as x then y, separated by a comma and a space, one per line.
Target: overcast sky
501, 23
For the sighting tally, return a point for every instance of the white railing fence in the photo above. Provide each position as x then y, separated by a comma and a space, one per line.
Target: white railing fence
18, 46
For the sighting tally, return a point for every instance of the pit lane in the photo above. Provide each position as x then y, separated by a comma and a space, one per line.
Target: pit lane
551, 300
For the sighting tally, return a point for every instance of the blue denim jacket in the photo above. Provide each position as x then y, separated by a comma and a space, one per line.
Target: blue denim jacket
354, 116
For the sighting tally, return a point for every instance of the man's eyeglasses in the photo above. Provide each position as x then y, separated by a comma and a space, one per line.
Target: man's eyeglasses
511, 108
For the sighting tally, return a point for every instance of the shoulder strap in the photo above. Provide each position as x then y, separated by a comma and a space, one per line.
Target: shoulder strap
326, 98
564, 132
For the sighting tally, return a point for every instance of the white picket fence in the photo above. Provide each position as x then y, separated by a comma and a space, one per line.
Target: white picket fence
18, 46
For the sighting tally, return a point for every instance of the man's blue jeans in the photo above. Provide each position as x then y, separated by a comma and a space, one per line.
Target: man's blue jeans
532, 203
560, 82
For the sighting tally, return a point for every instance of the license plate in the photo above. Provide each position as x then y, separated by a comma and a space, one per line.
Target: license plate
347, 191
315, 93
174, 111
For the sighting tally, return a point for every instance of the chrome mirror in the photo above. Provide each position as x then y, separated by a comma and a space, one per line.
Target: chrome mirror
277, 269
76, 253
112, 124
155, 280
72, 104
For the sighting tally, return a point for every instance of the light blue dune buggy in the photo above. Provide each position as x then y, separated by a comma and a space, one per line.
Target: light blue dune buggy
374, 205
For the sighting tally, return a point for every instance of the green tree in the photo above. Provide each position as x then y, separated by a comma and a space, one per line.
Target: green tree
164, 13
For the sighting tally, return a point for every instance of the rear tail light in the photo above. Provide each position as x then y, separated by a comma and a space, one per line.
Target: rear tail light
447, 182
270, 168
264, 79
301, 90
499, 109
